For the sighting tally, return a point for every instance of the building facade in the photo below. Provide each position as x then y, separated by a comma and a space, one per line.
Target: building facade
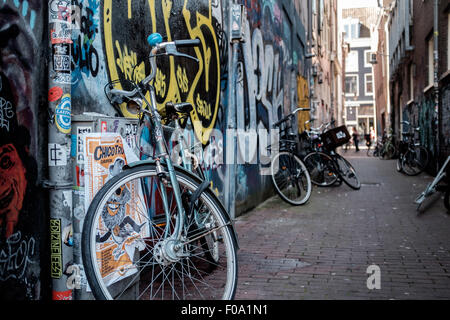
419, 73
326, 68
359, 85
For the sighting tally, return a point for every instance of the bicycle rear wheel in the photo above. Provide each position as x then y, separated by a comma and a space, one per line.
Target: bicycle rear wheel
347, 172
321, 169
129, 252
415, 160
290, 178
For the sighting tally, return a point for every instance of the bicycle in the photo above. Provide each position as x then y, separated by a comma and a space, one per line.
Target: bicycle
413, 158
186, 248
432, 187
289, 174
325, 165
319, 164
387, 149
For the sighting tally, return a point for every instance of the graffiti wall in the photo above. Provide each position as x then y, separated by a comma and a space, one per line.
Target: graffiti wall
270, 85
109, 43
21, 207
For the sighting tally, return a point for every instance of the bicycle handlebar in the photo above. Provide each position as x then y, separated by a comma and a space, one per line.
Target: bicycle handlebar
288, 117
155, 41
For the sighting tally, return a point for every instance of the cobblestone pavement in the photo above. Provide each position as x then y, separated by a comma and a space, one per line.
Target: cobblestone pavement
322, 250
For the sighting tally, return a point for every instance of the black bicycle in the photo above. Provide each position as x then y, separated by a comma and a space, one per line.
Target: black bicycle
413, 158
290, 176
326, 167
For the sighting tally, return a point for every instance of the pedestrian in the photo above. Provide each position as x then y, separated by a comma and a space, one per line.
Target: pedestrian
355, 138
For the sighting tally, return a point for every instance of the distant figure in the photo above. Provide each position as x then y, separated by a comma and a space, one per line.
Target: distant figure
372, 134
355, 138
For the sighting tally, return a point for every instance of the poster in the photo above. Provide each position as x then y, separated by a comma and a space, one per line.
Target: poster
122, 226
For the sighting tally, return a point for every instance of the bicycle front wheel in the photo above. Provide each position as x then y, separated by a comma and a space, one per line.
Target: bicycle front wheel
291, 178
415, 160
130, 251
321, 169
347, 172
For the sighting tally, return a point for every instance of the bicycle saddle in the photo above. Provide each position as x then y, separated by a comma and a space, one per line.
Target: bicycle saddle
184, 108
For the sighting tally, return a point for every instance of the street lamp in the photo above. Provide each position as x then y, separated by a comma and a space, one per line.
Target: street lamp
373, 57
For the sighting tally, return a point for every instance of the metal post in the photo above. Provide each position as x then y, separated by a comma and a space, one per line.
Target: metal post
59, 143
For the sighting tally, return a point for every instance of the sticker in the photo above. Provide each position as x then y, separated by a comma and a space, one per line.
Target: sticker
80, 143
54, 94
104, 127
62, 114
62, 295
55, 249
57, 155
63, 78
105, 156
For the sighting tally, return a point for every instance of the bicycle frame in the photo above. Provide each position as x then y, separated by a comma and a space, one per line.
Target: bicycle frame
431, 188
162, 155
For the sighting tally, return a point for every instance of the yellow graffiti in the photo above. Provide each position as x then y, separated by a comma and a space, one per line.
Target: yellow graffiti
127, 62
203, 23
129, 9
303, 102
183, 81
160, 83
172, 83
203, 108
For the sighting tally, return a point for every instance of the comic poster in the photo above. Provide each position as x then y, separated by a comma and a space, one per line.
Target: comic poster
122, 226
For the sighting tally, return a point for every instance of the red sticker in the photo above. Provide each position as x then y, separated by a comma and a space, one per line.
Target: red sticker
62, 295
54, 94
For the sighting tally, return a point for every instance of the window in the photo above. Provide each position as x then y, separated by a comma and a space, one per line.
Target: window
351, 85
369, 85
367, 58
351, 28
352, 64
431, 61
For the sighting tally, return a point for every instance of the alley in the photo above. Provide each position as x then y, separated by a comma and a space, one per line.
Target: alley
323, 249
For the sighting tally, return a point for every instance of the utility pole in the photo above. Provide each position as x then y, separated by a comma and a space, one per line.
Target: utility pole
59, 143
237, 13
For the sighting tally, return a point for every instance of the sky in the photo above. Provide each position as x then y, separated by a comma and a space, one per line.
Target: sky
345, 4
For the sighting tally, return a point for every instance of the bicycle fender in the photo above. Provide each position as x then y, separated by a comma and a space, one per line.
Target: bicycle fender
201, 188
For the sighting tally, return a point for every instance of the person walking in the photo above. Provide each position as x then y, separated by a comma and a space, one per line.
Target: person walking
356, 138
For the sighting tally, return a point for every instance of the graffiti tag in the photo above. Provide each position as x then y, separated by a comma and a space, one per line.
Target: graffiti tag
16, 257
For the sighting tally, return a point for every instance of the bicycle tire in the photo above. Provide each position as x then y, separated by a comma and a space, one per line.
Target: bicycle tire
389, 151
159, 254
321, 169
347, 172
288, 180
415, 161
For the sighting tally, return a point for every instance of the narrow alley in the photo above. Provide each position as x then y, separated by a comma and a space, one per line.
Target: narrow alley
322, 250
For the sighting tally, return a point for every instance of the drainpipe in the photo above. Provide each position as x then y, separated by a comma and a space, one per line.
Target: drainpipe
59, 143
436, 78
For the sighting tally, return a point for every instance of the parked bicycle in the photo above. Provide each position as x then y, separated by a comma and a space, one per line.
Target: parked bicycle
325, 165
440, 183
290, 176
387, 149
187, 247
413, 158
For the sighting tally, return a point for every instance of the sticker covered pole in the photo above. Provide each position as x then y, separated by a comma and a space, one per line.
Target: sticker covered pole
59, 142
